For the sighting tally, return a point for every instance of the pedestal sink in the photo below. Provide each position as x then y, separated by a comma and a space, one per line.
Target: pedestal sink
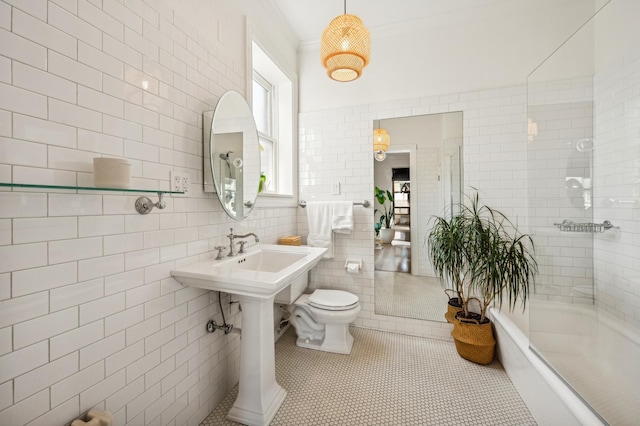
255, 278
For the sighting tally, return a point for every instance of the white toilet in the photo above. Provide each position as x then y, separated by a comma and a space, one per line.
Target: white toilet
322, 319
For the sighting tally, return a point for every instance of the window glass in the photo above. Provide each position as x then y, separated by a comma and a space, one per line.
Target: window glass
261, 107
268, 166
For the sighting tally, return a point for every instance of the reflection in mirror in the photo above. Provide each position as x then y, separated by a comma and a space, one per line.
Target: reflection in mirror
232, 155
423, 171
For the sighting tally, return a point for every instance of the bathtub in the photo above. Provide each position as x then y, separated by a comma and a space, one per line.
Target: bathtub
549, 399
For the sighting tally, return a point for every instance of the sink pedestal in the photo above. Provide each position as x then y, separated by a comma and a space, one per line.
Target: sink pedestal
259, 395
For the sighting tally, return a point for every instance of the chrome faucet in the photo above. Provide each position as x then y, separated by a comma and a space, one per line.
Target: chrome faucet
232, 236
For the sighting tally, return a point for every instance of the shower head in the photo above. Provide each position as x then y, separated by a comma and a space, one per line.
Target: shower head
226, 158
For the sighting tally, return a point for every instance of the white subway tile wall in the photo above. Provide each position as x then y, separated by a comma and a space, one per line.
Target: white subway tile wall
89, 315
617, 173
335, 145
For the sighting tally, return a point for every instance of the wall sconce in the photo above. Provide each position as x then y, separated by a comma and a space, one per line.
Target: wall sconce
532, 129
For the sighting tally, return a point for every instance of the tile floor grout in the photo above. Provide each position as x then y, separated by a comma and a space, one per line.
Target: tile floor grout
388, 379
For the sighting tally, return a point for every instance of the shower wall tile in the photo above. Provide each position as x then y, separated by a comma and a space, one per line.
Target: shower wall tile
616, 252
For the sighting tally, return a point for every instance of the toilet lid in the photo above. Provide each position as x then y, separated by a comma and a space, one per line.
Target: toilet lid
332, 299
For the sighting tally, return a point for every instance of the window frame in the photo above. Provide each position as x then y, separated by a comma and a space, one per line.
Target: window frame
286, 195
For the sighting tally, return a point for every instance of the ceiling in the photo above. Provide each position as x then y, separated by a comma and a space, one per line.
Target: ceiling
309, 18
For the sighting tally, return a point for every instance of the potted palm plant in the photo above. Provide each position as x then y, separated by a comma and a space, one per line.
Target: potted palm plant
386, 214
493, 260
449, 258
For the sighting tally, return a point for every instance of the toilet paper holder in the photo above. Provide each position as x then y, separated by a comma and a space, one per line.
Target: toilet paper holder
353, 266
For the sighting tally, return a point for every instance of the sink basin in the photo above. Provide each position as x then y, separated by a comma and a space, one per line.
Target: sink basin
261, 272
269, 260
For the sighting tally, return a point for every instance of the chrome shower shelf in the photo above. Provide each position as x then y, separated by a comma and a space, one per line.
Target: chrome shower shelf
592, 228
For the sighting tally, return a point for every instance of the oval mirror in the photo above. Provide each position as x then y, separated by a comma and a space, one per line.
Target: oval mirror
232, 155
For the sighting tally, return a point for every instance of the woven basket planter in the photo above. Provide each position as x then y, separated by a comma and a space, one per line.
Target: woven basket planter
453, 307
474, 341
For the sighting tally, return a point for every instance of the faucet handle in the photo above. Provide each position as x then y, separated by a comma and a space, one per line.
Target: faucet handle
241, 243
219, 248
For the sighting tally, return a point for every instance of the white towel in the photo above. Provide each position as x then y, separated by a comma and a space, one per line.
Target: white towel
319, 216
342, 220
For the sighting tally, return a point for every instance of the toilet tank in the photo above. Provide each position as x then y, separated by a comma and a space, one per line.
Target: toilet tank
289, 294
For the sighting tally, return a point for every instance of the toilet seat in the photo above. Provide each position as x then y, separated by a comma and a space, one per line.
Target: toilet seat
333, 300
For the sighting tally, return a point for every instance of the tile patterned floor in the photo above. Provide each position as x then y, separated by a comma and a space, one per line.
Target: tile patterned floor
389, 379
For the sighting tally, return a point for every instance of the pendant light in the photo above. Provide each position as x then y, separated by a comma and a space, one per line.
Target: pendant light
345, 47
381, 141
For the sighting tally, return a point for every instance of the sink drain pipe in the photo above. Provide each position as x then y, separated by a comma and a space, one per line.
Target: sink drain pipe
213, 326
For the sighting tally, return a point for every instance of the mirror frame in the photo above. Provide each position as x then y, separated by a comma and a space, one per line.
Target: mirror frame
232, 105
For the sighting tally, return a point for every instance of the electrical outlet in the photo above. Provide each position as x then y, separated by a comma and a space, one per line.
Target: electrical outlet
179, 181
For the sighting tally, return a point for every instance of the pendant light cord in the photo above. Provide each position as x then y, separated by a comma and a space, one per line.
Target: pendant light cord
345, 7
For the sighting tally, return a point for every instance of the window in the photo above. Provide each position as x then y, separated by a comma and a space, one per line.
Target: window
264, 114
273, 110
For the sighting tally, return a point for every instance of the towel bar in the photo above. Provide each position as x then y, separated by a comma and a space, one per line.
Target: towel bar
364, 203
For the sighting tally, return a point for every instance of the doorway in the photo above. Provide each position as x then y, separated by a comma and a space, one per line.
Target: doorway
395, 177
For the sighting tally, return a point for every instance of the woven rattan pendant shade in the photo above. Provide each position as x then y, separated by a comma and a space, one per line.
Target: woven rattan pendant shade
381, 140
345, 48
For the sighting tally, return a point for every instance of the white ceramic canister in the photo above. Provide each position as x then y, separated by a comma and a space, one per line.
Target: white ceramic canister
111, 173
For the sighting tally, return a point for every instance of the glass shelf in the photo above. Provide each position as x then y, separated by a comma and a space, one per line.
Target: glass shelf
86, 188
143, 204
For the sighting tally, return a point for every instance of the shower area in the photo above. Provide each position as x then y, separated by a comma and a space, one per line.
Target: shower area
584, 210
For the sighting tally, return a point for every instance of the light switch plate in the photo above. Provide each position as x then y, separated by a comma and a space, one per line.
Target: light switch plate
335, 188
